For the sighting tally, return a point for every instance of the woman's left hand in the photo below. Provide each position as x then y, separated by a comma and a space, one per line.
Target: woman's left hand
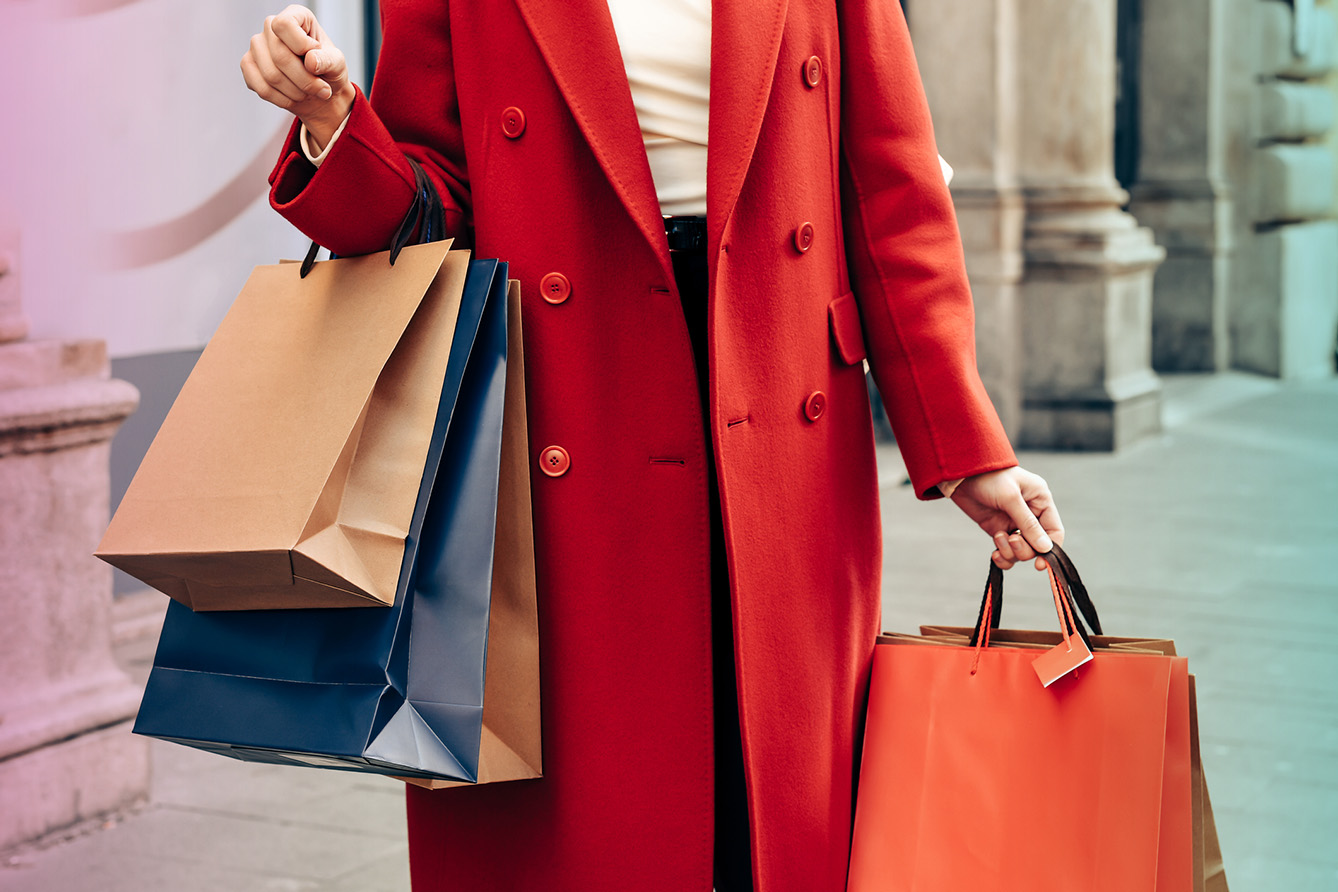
1016, 508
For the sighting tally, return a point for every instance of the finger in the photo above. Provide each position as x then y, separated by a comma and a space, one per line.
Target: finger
1041, 565
1001, 562
295, 26
327, 63
1022, 550
1004, 547
256, 81
277, 80
1042, 505
1048, 517
291, 65
1027, 524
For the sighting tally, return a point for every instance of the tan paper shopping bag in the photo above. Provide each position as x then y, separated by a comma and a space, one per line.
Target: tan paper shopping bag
1209, 871
286, 473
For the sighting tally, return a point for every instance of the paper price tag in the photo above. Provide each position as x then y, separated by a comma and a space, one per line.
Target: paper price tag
1062, 659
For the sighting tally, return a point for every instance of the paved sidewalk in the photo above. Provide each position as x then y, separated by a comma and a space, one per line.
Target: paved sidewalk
214, 824
1220, 533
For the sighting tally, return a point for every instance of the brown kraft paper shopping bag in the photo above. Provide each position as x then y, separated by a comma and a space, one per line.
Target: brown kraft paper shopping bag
286, 473
510, 747
1209, 871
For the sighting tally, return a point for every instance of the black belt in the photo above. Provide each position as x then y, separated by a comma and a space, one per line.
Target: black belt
686, 234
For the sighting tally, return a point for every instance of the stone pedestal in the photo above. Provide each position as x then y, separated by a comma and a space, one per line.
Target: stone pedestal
66, 752
1182, 192
1086, 324
1086, 299
967, 53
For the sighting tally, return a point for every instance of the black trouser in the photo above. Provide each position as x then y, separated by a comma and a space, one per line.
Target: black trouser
733, 871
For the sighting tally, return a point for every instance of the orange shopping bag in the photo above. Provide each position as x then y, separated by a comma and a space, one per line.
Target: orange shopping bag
1045, 762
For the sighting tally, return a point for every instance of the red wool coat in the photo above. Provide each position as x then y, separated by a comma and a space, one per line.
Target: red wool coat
521, 113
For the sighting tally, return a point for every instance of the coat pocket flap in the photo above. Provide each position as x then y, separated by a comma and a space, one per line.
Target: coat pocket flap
847, 333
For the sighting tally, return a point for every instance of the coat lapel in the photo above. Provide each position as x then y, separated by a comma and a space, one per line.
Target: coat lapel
577, 40
580, 46
745, 44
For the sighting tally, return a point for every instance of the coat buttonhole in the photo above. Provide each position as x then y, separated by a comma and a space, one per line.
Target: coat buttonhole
667, 461
738, 421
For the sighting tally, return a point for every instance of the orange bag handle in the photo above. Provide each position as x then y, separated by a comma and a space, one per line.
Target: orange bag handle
1072, 602
1069, 624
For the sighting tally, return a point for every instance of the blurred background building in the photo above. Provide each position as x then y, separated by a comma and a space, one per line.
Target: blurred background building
1143, 186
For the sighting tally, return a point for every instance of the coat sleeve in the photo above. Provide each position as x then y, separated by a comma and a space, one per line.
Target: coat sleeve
355, 200
905, 256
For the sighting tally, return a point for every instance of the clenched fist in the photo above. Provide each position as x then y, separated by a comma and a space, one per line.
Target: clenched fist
294, 65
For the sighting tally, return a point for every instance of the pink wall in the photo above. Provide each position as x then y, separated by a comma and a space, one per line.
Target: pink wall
133, 162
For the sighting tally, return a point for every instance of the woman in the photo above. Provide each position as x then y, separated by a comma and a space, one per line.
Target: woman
560, 135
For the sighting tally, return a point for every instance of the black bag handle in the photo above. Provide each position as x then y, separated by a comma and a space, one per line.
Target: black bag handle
426, 217
1071, 588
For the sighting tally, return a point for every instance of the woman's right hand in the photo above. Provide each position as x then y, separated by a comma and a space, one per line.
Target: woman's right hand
291, 63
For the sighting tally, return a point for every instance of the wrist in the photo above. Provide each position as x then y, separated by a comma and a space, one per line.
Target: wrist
322, 122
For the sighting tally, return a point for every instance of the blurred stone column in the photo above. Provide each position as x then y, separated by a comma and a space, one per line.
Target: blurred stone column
1182, 192
66, 752
967, 52
1086, 307
1285, 308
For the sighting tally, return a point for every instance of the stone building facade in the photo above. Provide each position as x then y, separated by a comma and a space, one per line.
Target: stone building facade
1208, 242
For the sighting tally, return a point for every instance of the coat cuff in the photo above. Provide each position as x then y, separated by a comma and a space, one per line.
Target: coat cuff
304, 140
354, 201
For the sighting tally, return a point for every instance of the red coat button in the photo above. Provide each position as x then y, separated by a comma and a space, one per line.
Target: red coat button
554, 461
803, 237
813, 71
513, 122
815, 405
555, 288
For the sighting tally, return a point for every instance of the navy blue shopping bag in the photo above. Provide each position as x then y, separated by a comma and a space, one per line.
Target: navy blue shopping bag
397, 690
